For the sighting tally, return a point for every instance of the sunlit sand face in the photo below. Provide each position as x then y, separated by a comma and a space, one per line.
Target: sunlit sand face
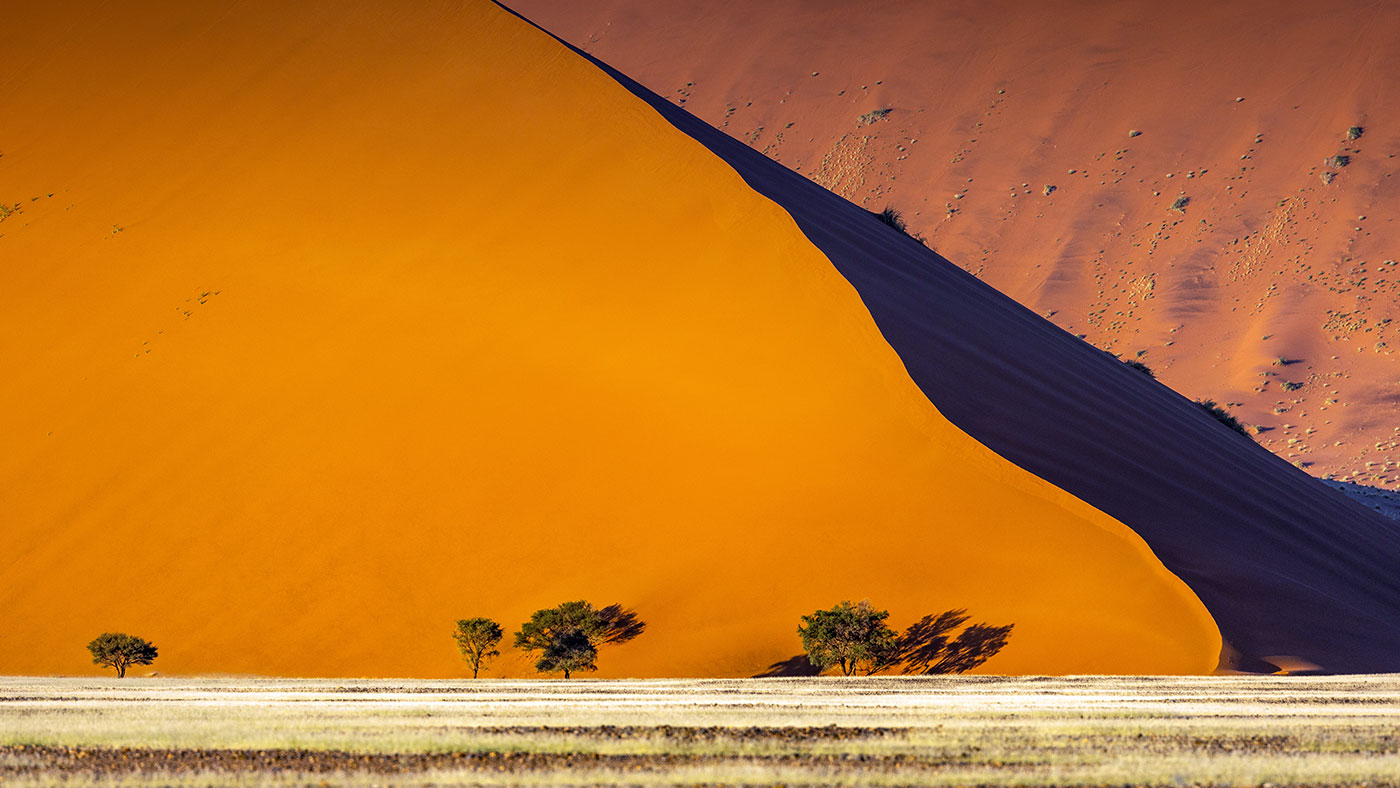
350, 323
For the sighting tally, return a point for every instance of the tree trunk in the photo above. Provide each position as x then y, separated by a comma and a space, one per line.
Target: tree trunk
121, 671
566, 673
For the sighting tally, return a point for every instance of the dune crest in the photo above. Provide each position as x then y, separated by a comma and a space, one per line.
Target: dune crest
1042, 147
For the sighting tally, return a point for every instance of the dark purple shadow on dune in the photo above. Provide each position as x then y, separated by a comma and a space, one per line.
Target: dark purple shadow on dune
1284, 564
797, 665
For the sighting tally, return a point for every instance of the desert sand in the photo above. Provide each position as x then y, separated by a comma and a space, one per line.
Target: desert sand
1042, 147
326, 324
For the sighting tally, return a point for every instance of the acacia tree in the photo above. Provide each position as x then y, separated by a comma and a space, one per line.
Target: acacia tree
850, 636
476, 639
567, 637
121, 651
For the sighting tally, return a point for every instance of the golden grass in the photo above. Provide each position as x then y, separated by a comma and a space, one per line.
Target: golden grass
936, 731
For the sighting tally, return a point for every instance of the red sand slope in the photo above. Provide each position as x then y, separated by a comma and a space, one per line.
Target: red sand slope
994, 101
325, 324
1294, 573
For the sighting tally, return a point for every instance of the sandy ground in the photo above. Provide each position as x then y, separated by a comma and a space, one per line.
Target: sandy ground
1042, 147
945, 731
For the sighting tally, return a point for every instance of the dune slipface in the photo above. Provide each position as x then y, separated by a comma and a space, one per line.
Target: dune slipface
1042, 146
328, 324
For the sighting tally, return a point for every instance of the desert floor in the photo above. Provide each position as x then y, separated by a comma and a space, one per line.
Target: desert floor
884, 731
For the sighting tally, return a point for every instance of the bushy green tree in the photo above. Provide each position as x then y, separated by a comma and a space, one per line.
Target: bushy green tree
476, 639
567, 637
121, 651
570, 651
849, 636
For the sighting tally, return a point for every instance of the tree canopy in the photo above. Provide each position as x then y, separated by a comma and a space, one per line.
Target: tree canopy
476, 639
120, 651
850, 636
567, 637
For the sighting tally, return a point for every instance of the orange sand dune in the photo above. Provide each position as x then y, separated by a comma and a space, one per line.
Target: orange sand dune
994, 101
325, 324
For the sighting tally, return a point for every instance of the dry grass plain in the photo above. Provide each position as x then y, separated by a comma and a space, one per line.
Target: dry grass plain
877, 731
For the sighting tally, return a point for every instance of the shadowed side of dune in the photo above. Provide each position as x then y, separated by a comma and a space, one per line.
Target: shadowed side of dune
1285, 565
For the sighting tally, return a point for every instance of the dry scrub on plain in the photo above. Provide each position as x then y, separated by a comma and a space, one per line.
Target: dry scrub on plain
893, 731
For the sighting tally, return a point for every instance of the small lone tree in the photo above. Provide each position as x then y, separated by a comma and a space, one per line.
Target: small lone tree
121, 651
567, 637
849, 636
476, 639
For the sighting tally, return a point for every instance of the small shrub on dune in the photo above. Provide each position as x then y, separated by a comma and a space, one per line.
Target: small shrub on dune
1141, 367
1180, 203
895, 219
1223, 416
1354, 133
875, 115
1338, 161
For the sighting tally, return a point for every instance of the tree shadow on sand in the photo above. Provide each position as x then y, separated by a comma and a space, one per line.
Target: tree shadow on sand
619, 625
927, 646
792, 666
